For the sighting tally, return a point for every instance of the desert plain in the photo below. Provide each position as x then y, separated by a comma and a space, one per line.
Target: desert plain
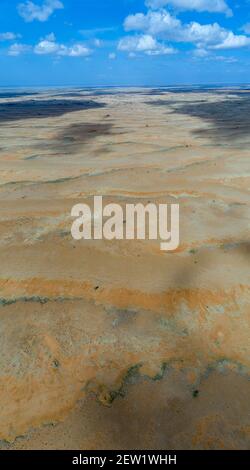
117, 344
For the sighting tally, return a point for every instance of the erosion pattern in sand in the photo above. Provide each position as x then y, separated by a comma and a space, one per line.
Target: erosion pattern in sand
117, 344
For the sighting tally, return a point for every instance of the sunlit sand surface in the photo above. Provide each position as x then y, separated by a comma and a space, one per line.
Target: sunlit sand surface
117, 344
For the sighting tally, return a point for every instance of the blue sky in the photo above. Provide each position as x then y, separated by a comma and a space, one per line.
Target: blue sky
124, 42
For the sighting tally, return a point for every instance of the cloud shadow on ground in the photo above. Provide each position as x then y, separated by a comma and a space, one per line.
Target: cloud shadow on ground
228, 118
34, 109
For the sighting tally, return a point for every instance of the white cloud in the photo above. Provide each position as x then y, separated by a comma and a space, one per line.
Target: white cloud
144, 43
112, 56
162, 25
77, 50
9, 36
233, 41
30, 11
215, 37
137, 43
212, 6
49, 45
18, 49
207, 35
200, 52
153, 23
46, 47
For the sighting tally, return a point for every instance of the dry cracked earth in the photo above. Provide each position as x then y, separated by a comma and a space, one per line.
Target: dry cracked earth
118, 345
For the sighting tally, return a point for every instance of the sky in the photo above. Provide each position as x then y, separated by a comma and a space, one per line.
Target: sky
124, 42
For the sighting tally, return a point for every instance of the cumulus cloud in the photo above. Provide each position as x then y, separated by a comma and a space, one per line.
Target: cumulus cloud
112, 56
212, 6
48, 45
30, 11
162, 25
137, 43
233, 41
18, 49
9, 36
144, 43
77, 50
159, 23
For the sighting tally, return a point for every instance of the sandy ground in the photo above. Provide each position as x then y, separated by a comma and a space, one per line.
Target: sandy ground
117, 344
